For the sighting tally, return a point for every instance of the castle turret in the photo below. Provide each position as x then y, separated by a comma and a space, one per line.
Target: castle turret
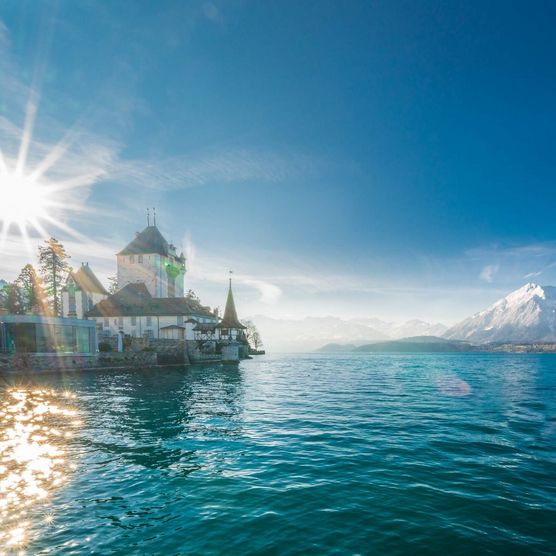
230, 326
150, 259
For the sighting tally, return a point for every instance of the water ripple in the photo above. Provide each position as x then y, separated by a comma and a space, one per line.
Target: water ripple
367, 454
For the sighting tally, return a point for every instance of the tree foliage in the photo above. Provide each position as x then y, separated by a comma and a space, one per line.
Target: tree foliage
54, 269
192, 296
12, 301
3, 293
32, 295
112, 284
252, 335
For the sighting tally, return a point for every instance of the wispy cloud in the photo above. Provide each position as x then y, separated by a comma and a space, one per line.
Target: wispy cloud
215, 166
78, 156
208, 268
488, 272
512, 260
270, 293
99, 253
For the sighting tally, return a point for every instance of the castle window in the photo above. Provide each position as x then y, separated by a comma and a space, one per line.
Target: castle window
149, 321
180, 320
133, 321
131, 258
121, 322
106, 323
140, 258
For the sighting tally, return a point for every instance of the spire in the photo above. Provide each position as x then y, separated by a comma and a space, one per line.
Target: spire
230, 319
148, 218
154, 216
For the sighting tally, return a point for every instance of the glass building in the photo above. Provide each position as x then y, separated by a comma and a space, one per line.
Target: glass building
35, 334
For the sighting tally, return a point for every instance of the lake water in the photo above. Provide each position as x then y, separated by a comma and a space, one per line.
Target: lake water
304, 454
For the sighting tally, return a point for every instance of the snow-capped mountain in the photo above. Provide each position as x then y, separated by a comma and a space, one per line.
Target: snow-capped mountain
525, 315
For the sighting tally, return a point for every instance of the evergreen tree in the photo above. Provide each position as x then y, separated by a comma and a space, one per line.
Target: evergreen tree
32, 294
13, 300
3, 293
54, 269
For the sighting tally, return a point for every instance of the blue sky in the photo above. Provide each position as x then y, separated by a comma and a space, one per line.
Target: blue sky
390, 159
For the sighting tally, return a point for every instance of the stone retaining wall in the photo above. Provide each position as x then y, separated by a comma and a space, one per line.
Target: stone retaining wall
45, 362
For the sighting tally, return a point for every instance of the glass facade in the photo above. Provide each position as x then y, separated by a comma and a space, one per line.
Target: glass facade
47, 337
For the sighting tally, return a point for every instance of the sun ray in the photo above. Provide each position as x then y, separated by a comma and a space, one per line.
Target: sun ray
27, 135
30, 201
3, 235
83, 180
48, 161
62, 147
25, 236
76, 207
3, 167
68, 229
39, 227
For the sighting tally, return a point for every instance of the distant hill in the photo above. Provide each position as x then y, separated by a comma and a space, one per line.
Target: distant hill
336, 348
422, 344
525, 315
312, 333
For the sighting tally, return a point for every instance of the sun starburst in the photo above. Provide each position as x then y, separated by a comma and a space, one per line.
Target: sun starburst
31, 203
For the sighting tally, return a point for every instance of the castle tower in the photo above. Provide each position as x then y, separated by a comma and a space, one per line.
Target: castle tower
150, 259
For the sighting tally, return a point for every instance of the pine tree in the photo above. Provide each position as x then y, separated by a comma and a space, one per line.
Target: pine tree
54, 269
32, 294
13, 300
3, 294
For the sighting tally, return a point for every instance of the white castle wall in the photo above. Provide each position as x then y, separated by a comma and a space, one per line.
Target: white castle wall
83, 303
151, 270
137, 327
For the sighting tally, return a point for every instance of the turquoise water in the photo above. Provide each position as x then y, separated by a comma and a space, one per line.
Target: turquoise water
313, 454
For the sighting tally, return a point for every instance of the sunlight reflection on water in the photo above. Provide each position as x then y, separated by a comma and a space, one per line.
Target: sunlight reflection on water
34, 429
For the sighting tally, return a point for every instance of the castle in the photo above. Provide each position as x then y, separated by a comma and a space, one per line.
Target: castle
149, 299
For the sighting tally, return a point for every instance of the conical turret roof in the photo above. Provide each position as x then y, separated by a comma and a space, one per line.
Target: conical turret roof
230, 319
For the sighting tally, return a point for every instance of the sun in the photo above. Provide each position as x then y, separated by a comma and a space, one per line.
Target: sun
34, 199
24, 201
30, 202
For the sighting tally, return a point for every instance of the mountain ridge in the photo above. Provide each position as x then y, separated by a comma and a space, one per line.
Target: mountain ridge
527, 314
